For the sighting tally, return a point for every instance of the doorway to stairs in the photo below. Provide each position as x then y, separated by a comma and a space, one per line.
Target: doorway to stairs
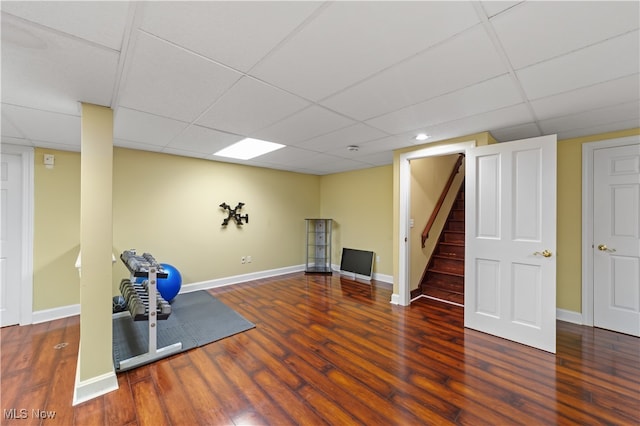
443, 276
410, 242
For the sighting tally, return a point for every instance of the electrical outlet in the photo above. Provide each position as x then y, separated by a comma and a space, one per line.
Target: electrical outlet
377, 258
248, 259
243, 259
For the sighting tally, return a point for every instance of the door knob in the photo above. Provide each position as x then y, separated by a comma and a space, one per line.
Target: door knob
603, 247
545, 253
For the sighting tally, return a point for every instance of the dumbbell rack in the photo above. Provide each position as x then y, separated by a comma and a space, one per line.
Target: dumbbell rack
150, 271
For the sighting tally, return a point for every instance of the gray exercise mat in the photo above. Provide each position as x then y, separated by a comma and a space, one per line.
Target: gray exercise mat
196, 319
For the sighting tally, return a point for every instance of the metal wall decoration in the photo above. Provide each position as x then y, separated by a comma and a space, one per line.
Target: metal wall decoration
234, 214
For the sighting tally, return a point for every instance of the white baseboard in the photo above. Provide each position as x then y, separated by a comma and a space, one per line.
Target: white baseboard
237, 279
382, 277
55, 313
395, 299
569, 316
94, 387
376, 276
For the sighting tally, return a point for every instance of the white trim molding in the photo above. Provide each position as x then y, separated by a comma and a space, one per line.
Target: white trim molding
55, 313
26, 285
588, 150
94, 387
569, 316
237, 279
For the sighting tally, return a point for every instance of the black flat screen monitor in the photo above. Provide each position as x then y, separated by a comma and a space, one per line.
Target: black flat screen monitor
358, 262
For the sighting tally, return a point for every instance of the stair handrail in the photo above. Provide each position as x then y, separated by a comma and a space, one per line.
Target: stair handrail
438, 206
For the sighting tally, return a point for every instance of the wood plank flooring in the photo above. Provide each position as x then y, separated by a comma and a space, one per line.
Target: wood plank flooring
327, 350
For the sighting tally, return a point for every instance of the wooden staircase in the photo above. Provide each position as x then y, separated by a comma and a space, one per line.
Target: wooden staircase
444, 276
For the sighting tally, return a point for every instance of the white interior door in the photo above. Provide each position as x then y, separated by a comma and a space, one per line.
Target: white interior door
10, 242
510, 247
616, 257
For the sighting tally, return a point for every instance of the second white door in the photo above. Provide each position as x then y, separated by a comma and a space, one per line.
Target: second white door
616, 257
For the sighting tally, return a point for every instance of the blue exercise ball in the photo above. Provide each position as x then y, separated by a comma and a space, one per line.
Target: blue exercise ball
169, 287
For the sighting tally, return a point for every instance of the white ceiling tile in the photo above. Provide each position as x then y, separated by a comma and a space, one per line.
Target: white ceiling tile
289, 154
146, 128
186, 153
388, 144
612, 92
604, 128
513, 133
349, 41
236, 33
9, 129
306, 124
75, 147
169, 81
101, 22
251, 105
324, 163
47, 70
352, 135
339, 165
486, 96
45, 126
503, 117
203, 140
16, 141
439, 70
602, 116
492, 8
550, 29
123, 143
378, 158
608, 60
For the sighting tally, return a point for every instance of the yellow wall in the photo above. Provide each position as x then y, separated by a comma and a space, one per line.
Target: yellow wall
569, 272
429, 175
169, 206
56, 230
359, 202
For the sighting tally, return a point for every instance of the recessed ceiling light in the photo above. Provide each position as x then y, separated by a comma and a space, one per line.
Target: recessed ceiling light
248, 148
422, 137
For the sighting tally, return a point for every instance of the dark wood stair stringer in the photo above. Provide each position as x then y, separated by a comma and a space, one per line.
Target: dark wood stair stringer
444, 276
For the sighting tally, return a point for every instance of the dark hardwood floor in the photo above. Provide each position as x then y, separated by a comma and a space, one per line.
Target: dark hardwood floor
327, 350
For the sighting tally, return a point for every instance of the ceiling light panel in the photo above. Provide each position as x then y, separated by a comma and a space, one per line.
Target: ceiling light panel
248, 148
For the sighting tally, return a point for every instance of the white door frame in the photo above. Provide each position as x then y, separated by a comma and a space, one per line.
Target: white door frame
404, 245
26, 283
588, 150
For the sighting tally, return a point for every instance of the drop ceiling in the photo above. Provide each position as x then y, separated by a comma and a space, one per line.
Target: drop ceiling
189, 78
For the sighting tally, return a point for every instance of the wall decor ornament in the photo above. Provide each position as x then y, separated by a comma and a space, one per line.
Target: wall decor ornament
234, 214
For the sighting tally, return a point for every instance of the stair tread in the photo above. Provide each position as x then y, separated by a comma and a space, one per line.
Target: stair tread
453, 243
448, 257
440, 271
